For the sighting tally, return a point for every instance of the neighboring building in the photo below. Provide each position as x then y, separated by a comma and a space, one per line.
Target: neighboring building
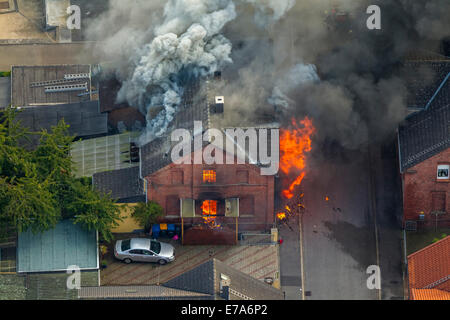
107, 153
47, 94
51, 85
123, 185
56, 18
57, 249
429, 272
212, 280
424, 156
5, 92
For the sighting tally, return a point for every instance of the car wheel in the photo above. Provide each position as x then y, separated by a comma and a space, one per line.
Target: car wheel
127, 260
162, 262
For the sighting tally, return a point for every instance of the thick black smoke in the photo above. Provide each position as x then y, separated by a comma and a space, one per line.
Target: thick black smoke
315, 58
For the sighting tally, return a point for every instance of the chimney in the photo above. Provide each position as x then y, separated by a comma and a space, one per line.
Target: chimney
219, 104
224, 287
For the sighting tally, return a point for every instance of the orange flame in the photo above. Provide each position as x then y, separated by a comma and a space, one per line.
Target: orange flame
294, 144
209, 212
281, 216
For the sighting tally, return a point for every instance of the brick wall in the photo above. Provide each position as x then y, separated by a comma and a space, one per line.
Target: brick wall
422, 191
256, 193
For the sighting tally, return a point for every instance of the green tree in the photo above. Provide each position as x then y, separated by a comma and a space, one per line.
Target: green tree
147, 213
94, 211
38, 187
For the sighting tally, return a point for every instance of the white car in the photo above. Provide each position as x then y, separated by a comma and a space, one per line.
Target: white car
144, 250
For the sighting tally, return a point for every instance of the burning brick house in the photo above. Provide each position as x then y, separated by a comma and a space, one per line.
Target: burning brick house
213, 203
424, 151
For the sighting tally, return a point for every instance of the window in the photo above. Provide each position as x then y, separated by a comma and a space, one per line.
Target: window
443, 172
155, 247
209, 176
136, 251
147, 253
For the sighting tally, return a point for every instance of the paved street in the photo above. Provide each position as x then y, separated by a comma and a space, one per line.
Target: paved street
339, 234
291, 282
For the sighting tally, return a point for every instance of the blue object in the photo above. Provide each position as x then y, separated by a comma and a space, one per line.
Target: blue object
155, 231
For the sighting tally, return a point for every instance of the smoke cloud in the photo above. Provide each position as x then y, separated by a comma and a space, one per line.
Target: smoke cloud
285, 58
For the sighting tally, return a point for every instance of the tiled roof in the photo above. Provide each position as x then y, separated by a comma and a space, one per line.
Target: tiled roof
194, 107
427, 132
139, 292
423, 74
206, 279
123, 183
429, 294
429, 268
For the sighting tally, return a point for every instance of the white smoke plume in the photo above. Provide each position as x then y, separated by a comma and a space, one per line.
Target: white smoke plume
301, 74
186, 38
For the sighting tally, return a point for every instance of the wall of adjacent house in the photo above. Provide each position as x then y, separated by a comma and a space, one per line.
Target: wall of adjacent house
423, 192
255, 192
128, 224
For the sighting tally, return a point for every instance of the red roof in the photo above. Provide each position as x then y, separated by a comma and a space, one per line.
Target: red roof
429, 272
429, 294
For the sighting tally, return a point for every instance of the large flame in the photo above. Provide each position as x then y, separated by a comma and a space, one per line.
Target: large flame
294, 144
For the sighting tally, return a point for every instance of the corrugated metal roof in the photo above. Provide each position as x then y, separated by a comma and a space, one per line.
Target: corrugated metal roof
24, 94
57, 249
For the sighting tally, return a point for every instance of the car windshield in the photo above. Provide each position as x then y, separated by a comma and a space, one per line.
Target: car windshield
155, 247
125, 245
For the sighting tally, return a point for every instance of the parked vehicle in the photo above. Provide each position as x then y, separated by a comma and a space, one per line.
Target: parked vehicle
144, 250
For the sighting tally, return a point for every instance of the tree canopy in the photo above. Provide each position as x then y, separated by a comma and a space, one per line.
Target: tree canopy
38, 187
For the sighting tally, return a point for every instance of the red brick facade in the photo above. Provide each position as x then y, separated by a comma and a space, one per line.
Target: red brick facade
255, 192
423, 192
